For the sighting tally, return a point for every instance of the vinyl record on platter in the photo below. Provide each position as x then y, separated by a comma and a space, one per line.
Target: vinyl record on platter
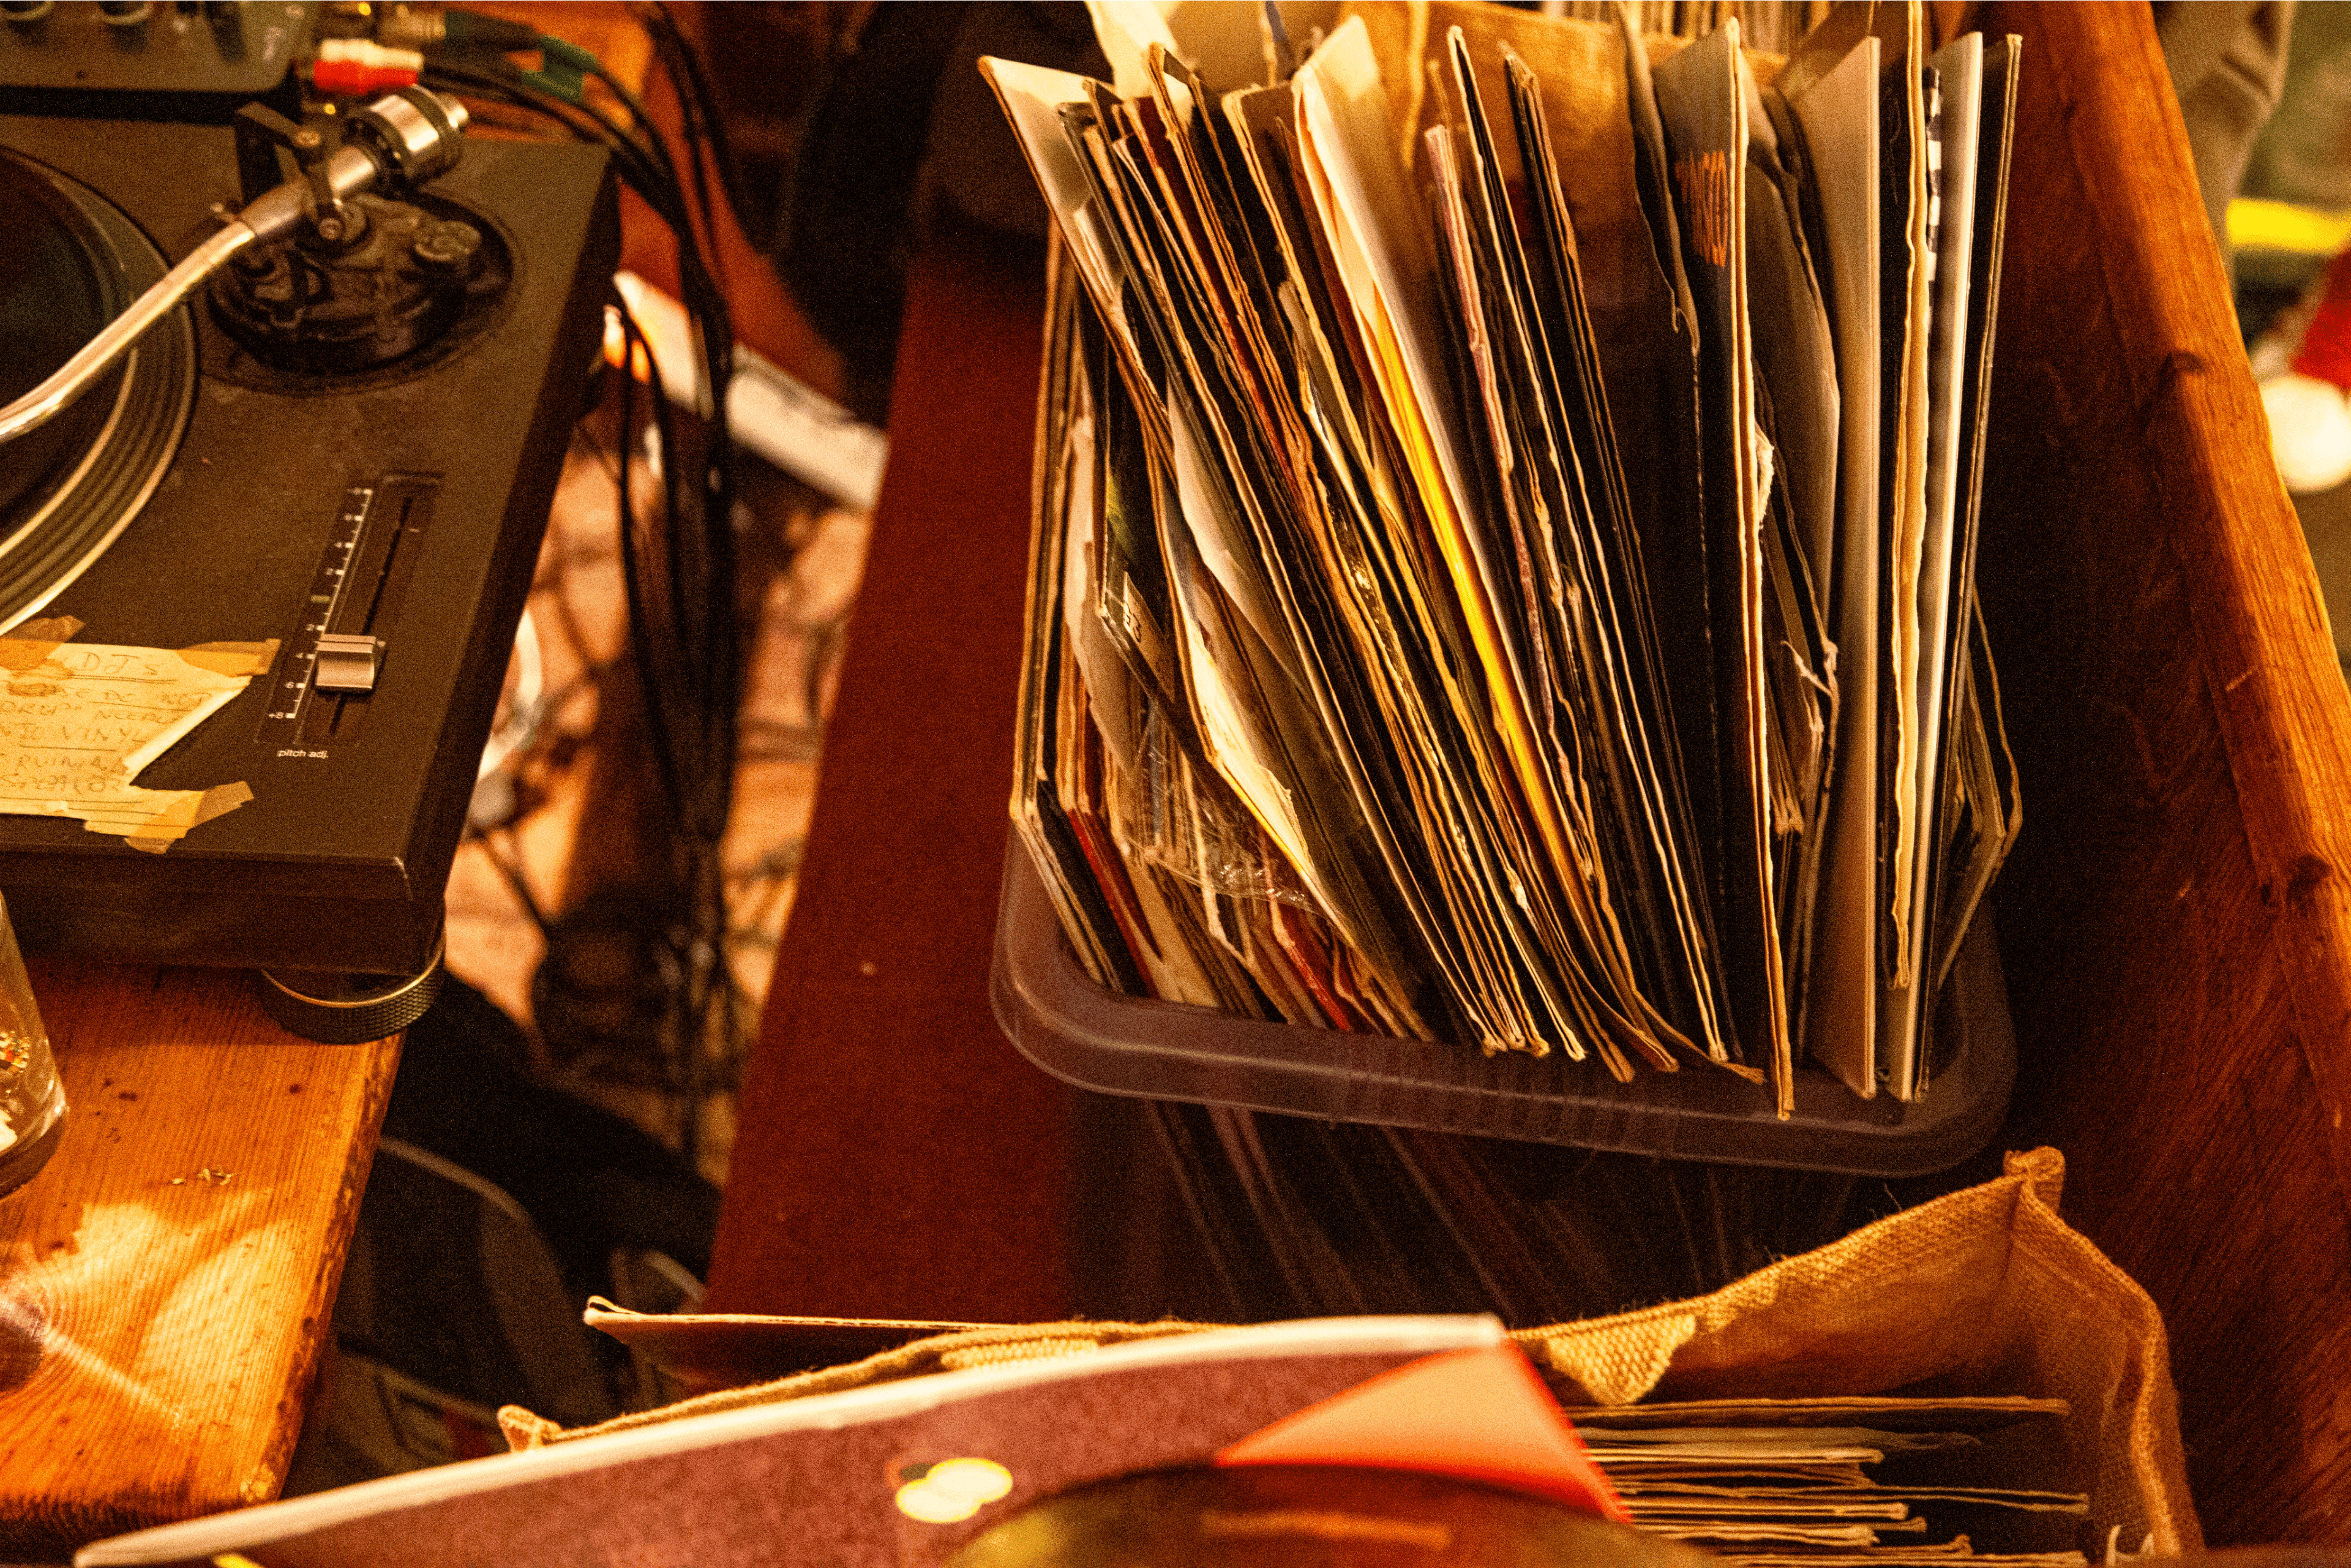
73, 263
1310, 1516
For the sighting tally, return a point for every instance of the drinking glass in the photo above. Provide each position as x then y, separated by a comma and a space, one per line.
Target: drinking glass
32, 1099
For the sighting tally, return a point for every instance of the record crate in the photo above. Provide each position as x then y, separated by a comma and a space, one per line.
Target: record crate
2175, 924
1074, 1028
2161, 653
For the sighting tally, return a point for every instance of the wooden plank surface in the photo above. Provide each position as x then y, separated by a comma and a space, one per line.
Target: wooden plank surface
2176, 924
896, 1157
160, 1327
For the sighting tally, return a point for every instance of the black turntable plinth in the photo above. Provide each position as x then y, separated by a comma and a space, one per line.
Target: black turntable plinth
204, 493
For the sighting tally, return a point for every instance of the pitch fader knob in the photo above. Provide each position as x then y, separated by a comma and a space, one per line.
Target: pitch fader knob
347, 662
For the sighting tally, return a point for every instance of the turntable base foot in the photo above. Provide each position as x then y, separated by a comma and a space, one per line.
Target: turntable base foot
351, 1009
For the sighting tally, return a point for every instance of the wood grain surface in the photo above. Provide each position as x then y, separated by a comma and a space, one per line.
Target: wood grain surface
159, 1325
896, 1157
2177, 922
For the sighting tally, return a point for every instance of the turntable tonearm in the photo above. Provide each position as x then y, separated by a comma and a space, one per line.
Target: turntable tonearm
347, 441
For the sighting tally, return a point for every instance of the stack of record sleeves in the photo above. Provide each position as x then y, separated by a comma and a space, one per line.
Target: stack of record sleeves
1503, 573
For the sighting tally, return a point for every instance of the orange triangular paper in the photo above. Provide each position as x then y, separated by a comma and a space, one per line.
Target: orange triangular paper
1483, 1415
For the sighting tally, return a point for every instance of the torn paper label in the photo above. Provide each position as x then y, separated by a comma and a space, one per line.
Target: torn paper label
79, 721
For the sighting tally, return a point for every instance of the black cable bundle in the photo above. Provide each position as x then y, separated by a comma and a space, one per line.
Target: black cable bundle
678, 565
704, 132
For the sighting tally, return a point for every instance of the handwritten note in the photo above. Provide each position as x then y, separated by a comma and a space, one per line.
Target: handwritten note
79, 721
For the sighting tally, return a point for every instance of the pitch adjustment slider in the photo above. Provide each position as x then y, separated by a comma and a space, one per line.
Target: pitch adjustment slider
347, 663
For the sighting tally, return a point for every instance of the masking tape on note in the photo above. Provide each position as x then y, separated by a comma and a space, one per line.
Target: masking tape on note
79, 721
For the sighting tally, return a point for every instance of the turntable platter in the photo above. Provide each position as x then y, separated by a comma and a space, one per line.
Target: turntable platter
74, 262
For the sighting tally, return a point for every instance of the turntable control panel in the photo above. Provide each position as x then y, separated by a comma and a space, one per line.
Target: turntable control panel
329, 667
348, 444
180, 50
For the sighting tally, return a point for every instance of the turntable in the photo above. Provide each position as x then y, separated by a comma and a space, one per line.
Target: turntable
365, 486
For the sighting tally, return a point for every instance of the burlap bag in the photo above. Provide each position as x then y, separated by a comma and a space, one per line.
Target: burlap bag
1982, 1291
